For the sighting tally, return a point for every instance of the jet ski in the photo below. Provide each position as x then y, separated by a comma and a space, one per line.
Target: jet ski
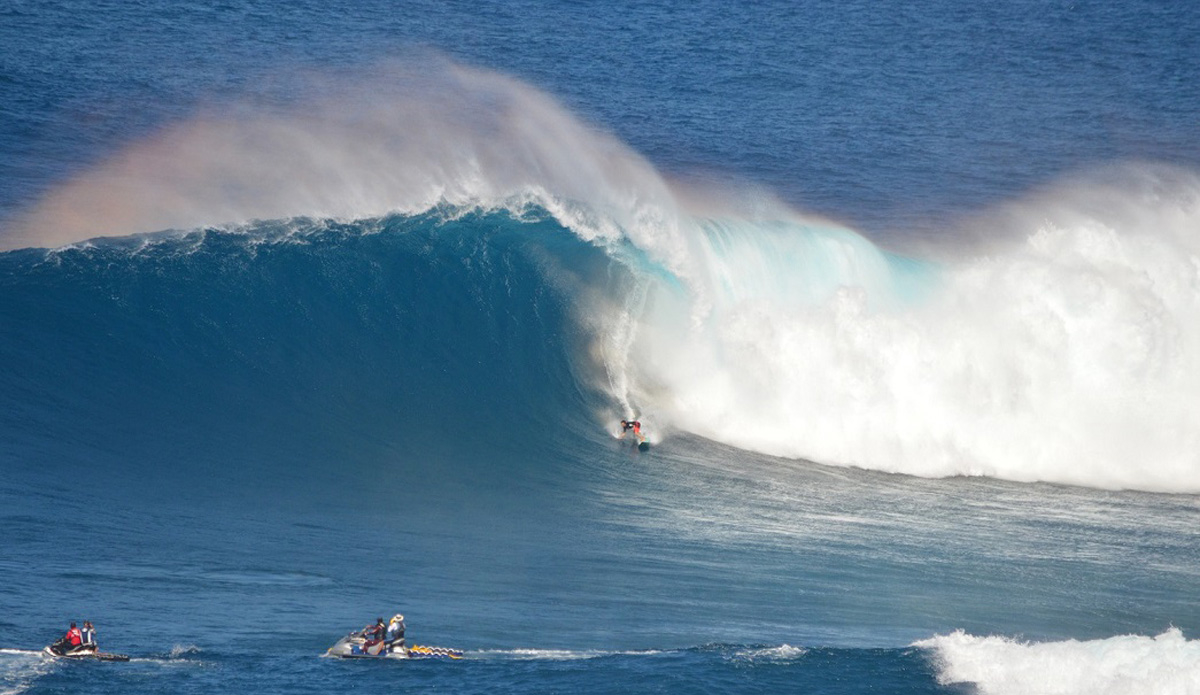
58, 650
357, 646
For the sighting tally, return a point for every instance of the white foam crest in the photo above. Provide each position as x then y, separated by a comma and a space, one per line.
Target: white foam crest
1071, 356
1168, 664
180, 650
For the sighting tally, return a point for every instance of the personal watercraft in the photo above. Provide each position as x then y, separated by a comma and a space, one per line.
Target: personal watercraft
356, 646
59, 650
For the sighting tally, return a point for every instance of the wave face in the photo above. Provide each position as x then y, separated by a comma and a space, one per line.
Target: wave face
310, 342
437, 220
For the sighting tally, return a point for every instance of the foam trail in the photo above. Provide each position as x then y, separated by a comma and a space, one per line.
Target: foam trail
781, 654
531, 654
1168, 663
20, 669
616, 347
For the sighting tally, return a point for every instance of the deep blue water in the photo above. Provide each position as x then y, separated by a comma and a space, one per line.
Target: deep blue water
904, 296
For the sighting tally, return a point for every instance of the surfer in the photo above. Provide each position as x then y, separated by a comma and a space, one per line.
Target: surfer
627, 425
636, 428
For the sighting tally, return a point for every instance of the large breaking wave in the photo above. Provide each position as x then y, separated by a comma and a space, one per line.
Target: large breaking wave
1061, 345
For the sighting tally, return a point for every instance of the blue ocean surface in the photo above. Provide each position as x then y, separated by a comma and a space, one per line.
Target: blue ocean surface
312, 313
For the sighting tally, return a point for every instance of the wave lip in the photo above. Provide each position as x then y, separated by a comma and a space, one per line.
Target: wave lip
1167, 664
396, 139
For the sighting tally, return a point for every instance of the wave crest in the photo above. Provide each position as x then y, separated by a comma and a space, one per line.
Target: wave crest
1168, 663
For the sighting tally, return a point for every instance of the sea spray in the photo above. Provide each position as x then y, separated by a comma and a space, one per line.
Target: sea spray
398, 138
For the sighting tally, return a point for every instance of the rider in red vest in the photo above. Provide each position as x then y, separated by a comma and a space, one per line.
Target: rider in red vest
74, 637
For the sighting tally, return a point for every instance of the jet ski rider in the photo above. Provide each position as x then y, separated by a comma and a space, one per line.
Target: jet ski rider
69, 642
374, 633
395, 631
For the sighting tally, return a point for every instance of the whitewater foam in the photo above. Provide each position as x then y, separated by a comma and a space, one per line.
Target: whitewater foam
183, 650
20, 669
1069, 355
781, 653
1168, 663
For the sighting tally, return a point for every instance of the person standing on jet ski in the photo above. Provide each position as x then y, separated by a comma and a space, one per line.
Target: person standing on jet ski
88, 635
395, 631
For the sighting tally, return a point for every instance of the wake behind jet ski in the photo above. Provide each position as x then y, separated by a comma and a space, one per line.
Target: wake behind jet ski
380, 641
80, 644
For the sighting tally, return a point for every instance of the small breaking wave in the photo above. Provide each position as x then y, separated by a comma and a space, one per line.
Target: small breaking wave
781, 653
1167, 663
181, 651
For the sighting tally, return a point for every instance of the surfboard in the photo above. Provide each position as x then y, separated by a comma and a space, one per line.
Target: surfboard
643, 446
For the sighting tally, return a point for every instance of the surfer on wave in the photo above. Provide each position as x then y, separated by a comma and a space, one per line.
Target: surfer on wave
634, 426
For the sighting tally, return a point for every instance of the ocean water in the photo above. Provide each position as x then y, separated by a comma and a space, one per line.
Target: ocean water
316, 312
